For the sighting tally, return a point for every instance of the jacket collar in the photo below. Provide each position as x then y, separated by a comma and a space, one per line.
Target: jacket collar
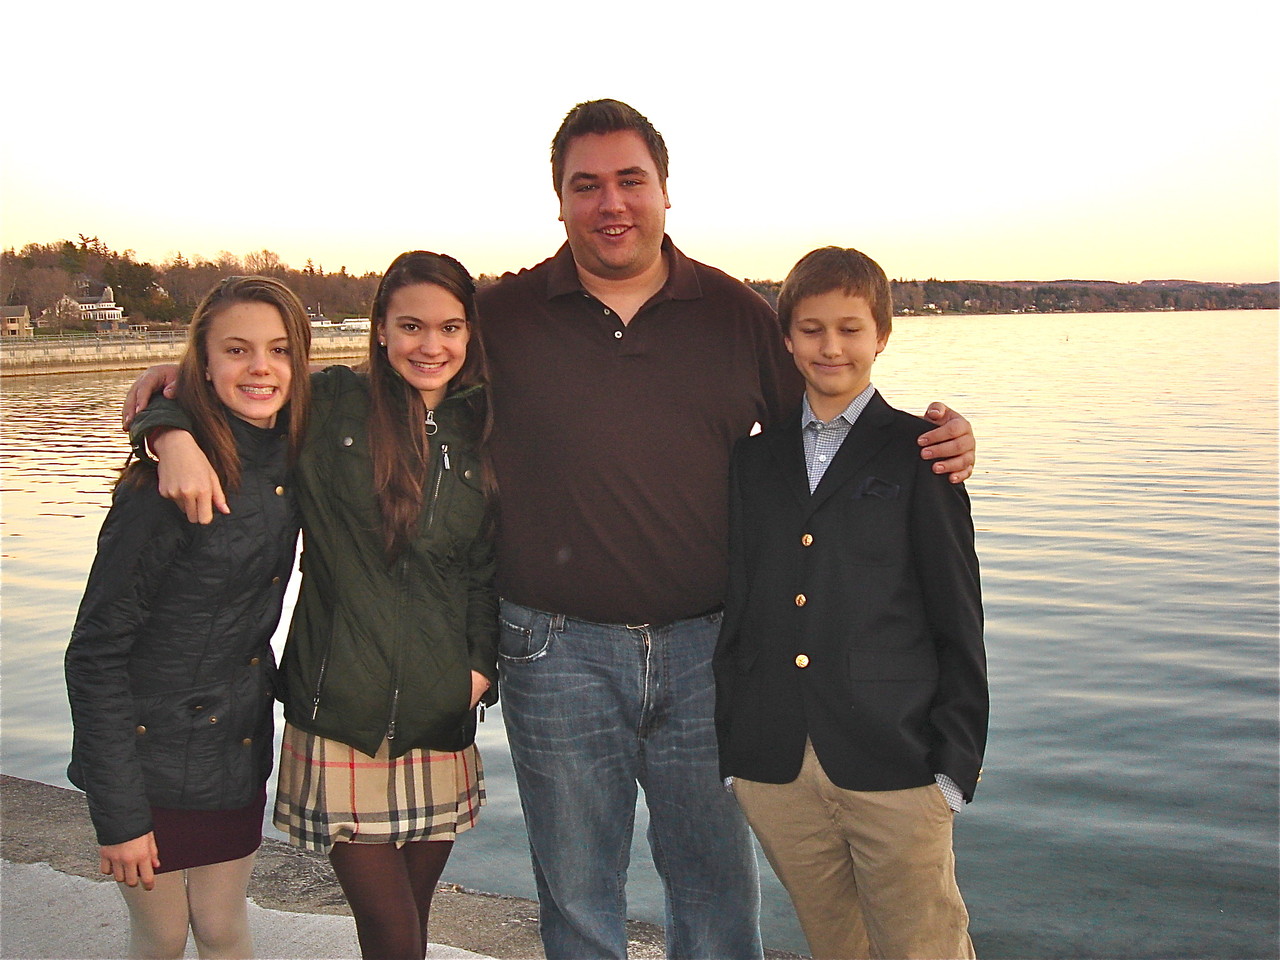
254, 443
865, 439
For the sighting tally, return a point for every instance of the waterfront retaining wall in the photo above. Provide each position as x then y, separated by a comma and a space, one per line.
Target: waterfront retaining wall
87, 354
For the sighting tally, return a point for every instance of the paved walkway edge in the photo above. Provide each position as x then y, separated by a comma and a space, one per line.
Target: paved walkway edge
50, 890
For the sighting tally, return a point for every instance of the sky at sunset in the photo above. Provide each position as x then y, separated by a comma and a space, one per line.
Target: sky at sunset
1119, 140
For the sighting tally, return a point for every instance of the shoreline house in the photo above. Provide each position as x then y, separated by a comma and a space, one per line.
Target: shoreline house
16, 322
97, 303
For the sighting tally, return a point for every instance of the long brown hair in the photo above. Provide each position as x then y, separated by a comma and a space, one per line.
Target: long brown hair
398, 441
196, 394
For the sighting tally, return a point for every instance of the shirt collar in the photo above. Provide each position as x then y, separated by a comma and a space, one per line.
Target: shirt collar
850, 413
681, 283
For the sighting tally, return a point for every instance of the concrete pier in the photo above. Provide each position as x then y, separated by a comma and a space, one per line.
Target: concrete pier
56, 904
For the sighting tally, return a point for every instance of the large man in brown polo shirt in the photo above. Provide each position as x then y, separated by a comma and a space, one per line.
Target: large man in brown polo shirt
623, 372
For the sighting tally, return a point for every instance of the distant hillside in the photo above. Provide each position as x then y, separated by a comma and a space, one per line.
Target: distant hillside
40, 276
1065, 296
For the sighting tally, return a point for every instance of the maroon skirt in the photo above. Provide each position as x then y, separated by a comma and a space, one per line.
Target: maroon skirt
197, 838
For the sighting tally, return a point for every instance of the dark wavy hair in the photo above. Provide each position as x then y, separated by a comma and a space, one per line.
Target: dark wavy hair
398, 441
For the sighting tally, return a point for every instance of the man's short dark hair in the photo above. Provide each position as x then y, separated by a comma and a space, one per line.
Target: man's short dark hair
837, 268
605, 116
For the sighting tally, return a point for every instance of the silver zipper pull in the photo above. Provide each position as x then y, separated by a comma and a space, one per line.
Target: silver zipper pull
432, 426
481, 705
444, 455
315, 707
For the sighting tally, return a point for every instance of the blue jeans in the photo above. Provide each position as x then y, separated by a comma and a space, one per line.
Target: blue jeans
591, 711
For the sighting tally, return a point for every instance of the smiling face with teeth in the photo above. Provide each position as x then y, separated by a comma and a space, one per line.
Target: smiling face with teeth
249, 365
425, 334
613, 205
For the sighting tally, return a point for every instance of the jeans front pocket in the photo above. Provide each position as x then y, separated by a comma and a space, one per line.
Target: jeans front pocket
523, 634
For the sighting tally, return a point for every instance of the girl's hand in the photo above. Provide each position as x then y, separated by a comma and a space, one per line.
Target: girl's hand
186, 477
132, 862
479, 684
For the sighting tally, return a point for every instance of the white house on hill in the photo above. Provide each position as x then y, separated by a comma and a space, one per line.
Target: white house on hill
98, 308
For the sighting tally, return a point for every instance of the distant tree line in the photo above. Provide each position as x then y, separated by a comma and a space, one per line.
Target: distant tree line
41, 275
1065, 296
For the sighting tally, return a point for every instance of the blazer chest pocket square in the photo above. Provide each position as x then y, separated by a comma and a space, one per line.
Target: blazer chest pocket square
878, 489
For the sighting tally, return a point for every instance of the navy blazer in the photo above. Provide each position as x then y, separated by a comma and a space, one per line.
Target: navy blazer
853, 615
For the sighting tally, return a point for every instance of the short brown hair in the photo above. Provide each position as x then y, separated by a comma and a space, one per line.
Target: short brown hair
605, 116
838, 268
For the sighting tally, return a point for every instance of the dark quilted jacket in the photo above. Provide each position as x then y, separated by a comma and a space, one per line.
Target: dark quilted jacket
169, 670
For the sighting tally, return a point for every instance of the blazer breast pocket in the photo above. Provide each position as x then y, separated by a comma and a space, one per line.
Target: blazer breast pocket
872, 524
876, 489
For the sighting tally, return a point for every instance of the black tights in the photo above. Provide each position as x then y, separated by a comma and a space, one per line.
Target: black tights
390, 892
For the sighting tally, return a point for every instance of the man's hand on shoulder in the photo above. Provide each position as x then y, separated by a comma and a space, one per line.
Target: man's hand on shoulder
161, 377
951, 444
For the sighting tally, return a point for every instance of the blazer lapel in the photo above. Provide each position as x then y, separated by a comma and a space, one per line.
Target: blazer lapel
866, 438
786, 448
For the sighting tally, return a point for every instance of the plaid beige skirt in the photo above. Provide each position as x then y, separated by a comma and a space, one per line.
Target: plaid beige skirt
329, 792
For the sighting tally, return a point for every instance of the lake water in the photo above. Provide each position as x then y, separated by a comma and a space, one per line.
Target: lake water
1126, 511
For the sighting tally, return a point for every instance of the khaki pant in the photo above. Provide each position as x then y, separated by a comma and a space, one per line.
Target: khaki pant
871, 873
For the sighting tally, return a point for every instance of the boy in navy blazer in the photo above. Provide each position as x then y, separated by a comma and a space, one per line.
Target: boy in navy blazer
850, 673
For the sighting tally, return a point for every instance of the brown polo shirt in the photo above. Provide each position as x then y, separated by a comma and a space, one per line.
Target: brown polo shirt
611, 443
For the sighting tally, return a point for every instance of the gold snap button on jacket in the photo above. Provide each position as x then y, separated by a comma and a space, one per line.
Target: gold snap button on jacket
139, 729
279, 491
801, 599
802, 661
806, 540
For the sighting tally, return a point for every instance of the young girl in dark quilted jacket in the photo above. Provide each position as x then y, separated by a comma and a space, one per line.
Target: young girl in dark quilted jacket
170, 672
393, 642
